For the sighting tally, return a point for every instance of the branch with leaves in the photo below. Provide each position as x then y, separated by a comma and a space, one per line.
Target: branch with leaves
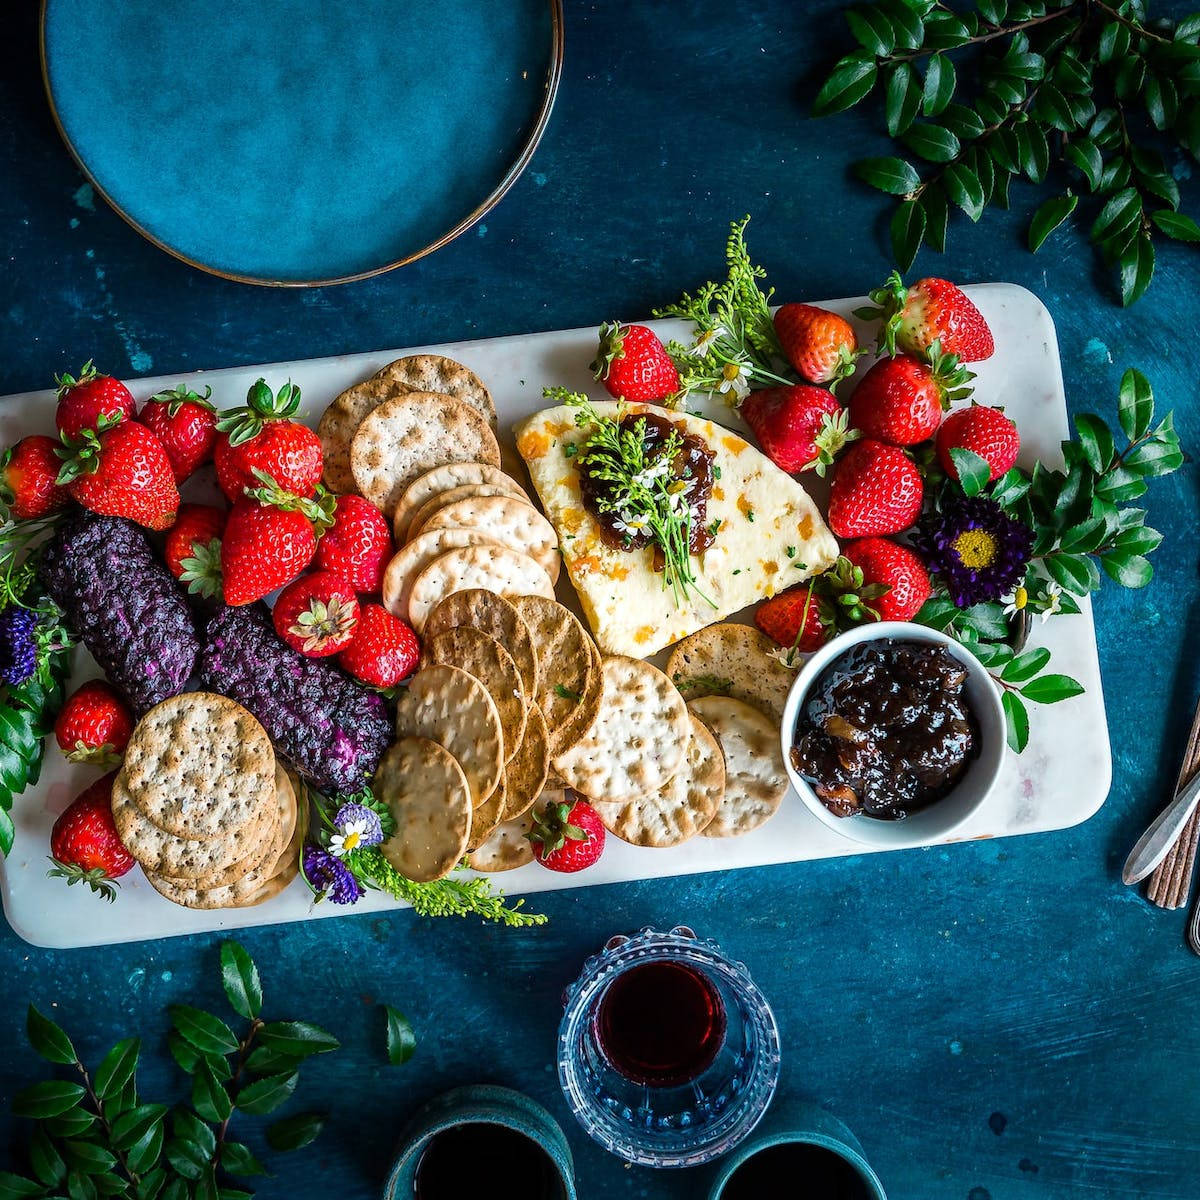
1085, 96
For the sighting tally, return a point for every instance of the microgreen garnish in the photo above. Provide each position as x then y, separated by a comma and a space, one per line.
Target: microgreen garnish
565, 693
710, 685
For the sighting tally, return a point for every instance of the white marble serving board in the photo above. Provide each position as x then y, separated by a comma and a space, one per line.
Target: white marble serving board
1060, 780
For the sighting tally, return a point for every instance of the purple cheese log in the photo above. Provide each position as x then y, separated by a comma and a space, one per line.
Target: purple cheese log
121, 602
330, 728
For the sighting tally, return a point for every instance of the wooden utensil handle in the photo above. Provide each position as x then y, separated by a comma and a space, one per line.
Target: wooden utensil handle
1171, 881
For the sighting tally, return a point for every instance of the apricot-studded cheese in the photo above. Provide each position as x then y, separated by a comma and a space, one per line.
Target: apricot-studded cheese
770, 537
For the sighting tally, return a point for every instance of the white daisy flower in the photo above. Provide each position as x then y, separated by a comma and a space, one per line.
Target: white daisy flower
348, 839
734, 380
788, 655
1053, 598
1015, 601
704, 341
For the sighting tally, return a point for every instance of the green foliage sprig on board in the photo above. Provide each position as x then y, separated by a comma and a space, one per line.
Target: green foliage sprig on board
95, 1136
1085, 97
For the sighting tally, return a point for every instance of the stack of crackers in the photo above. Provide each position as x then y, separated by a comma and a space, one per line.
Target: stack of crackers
201, 803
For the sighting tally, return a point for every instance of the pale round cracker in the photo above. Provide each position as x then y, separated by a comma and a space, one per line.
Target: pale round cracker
505, 849
486, 817
410, 560
198, 765
497, 568
441, 499
569, 683
436, 373
446, 478
425, 789
505, 520
477, 608
451, 707
638, 740
340, 421
525, 775
680, 809
492, 665
408, 435
731, 660
755, 778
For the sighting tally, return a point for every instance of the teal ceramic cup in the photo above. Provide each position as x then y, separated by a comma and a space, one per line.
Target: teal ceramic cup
804, 1123
479, 1103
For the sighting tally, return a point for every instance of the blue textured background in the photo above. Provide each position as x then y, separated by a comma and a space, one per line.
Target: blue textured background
995, 1020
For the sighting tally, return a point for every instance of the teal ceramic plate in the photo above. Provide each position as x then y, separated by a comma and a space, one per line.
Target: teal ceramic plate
294, 142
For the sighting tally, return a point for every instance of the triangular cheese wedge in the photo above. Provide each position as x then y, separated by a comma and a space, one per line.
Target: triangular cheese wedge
771, 536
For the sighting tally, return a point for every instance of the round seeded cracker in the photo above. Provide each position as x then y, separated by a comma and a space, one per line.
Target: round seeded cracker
496, 568
477, 608
340, 421
525, 775
731, 660
505, 520
506, 847
461, 492
436, 373
447, 478
410, 560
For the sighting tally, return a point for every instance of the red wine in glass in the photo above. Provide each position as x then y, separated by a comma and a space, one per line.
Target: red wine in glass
448, 1160
811, 1173
660, 1024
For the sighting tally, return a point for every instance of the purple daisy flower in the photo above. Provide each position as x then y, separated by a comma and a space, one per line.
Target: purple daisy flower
357, 828
979, 551
18, 645
330, 878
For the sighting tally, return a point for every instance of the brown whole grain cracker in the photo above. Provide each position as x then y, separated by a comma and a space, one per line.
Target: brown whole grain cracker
510, 522
505, 849
477, 608
731, 660
340, 421
525, 775
436, 373
501, 570
447, 478
486, 817
410, 560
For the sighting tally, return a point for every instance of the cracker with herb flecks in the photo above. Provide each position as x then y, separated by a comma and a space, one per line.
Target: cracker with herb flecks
525, 775
731, 660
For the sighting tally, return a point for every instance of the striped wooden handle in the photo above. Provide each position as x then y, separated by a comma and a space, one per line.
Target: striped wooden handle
1171, 882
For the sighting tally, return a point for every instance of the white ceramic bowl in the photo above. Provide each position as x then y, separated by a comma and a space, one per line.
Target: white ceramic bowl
928, 824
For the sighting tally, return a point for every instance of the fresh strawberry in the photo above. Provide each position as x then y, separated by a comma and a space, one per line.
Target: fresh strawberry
186, 424
358, 546
29, 485
983, 431
84, 843
932, 310
261, 437
800, 428
876, 490
901, 400
94, 724
818, 343
796, 619
895, 569
384, 650
567, 836
634, 365
89, 401
316, 614
122, 471
193, 547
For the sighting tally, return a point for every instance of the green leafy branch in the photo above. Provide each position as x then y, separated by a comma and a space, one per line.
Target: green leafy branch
1090, 93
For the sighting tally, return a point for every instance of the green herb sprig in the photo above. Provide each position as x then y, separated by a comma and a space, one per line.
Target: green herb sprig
96, 1136
1084, 97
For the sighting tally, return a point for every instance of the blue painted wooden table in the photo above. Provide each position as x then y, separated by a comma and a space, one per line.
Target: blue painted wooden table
995, 1020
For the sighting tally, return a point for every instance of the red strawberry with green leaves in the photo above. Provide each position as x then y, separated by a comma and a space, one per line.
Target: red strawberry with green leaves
799, 428
90, 399
94, 724
567, 836
896, 570
316, 614
358, 546
122, 471
634, 365
269, 539
29, 486
821, 345
384, 650
932, 310
261, 436
193, 548
186, 424
984, 431
798, 619
901, 400
84, 844
876, 490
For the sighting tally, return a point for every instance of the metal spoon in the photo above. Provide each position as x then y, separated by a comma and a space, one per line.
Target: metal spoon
1154, 845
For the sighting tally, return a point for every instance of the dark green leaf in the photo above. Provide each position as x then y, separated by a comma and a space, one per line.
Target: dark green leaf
1086, 156
1129, 570
45, 1160
1140, 539
1016, 718
209, 1097
937, 612
293, 1132
1176, 225
963, 122
1004, 149
265, 1061
1114, 42
1155, 457
72, 1123
47, 1099
1050, 689
891, 175
183, 1052
1025, 666
206, 1186
1034, 151
1084, 538
1049, 216
131, 1126
8, 833
228, 1193
1153, 176
208, 1034
940, 82
850, 81
963, 188
298, 1038
1010, 487
48, 1039
945, 30
16, 1186
111, 1185
144, 1153
177, 1189
1075, 572
87, 1158
931, 142
80, 1186
117, 1068
910, 29
907, 230
987, 620
240, 978
265, 1095
993, 654
974, 474
1135, 406
1053, 108
1137, 269
401, 1040
1116, 174
871, 29
151, 1183
188, 1159
238, 1159
933, 201
1096, 442
1119, 485
1119, 214
188, 1127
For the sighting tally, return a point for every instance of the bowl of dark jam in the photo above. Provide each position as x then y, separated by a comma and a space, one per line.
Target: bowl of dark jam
893, 734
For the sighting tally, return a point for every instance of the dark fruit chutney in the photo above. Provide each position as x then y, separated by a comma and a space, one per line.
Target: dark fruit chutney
886, 729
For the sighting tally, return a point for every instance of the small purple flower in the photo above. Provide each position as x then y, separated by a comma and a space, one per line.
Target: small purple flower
979, 551
330, 878
357, 828
18, 645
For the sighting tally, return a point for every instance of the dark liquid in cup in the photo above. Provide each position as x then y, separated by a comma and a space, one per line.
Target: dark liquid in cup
521, 1168
796, 1170
661, 1024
